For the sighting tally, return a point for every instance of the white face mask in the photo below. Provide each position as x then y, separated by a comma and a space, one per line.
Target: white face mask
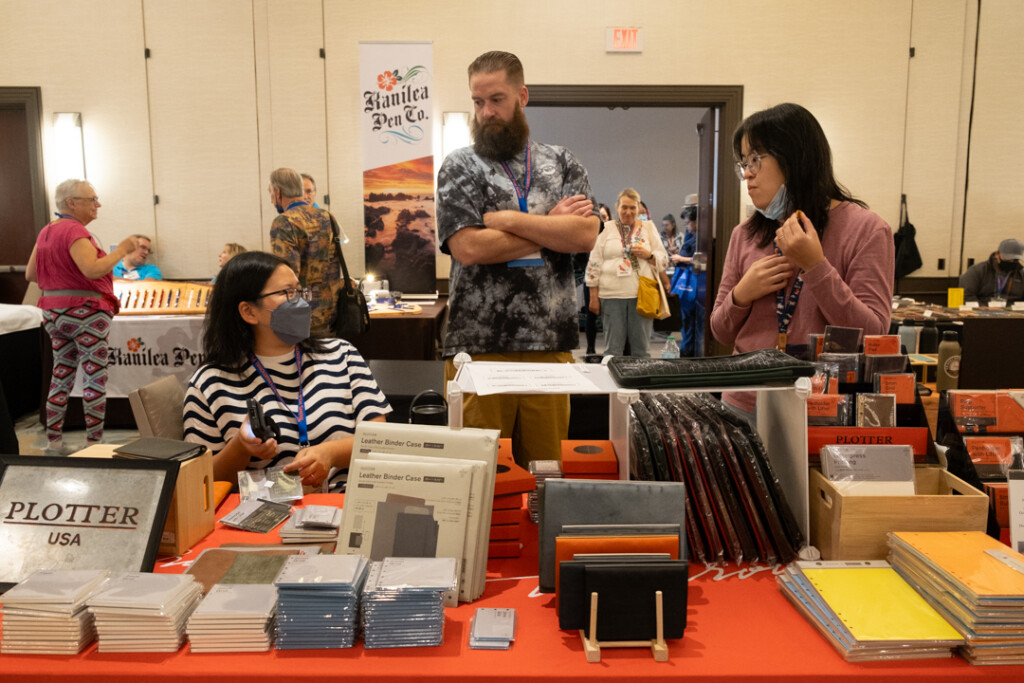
776, 208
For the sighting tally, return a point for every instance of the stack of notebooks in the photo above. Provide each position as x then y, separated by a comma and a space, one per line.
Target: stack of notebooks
975, 582
318, 601
45, 614
139, 612
510, 483
234, 618
422, 491
867, 611
312, 524
589, 460
736, 509
403, 601
542, 470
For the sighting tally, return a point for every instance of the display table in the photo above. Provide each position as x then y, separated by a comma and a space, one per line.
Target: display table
413, 336
739, 628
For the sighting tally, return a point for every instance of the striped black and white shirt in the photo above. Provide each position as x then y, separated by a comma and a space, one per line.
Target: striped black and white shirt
337, 387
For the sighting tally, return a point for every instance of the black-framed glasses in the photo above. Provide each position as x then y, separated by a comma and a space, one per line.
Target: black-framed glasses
289, 293
753, 162
94, 200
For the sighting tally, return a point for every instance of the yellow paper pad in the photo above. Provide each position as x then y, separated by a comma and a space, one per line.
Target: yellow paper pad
876, 604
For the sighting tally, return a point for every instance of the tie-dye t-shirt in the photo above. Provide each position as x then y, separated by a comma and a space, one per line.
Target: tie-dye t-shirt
496, 307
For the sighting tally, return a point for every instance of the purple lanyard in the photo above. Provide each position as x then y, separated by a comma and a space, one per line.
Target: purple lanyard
522, 191
784, 308
300, 417
1001, 282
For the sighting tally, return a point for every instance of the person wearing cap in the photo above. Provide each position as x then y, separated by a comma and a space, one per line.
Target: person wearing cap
1000, 277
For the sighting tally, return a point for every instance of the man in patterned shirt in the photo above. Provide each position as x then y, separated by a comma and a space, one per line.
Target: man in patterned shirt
512, 212
301, 235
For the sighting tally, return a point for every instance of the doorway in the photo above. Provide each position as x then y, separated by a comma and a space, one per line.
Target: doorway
716, 178
22, 189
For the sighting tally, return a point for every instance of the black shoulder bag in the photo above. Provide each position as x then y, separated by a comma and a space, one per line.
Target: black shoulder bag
350, 315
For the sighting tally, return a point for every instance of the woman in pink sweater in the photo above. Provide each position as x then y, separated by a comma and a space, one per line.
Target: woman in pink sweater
811, 256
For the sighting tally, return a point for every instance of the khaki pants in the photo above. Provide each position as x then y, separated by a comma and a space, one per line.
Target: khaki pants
537, 424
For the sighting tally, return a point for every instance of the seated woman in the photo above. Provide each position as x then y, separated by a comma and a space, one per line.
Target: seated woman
257, 345
230, 250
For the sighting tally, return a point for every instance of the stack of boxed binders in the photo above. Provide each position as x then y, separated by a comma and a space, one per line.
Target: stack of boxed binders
589, 460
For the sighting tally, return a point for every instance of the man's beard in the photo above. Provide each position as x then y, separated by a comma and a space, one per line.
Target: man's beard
498, 140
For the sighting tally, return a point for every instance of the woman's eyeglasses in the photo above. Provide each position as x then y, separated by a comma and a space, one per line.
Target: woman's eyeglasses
289, 293
753, 163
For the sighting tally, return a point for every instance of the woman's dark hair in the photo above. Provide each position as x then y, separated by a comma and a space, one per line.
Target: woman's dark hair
794, 138
227, 339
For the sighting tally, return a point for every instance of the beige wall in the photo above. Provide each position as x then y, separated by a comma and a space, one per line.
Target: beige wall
236, 88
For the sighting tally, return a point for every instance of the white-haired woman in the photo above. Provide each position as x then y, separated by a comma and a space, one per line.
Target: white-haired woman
74, 274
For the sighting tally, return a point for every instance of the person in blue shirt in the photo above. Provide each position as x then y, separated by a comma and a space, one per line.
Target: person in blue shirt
134, 266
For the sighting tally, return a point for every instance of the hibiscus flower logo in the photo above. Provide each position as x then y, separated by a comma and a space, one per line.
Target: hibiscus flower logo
387, 81
135, 344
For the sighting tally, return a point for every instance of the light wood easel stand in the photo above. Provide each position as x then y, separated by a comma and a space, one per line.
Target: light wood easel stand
592, 648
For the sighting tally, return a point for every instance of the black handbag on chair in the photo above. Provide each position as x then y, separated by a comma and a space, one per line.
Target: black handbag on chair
350, 315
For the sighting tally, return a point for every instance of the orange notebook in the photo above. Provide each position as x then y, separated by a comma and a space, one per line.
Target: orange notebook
568, 546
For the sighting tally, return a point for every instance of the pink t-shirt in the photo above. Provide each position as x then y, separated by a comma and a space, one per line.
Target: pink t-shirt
851, 288
55, 269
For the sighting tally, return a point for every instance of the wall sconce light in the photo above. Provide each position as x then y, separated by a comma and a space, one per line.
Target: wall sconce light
69, 146
455, 131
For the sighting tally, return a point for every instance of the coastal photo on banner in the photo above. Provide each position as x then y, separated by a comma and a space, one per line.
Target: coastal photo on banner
396, 81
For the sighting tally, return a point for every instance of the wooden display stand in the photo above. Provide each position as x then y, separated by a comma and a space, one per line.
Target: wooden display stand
161, 297
190, 516
592, 647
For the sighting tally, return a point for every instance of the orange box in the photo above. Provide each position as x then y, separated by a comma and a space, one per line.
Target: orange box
512, 501
999, 501
511, 478
504, 549
504, 532
987, 412
881, 345
590, 457
915, 437
510, 516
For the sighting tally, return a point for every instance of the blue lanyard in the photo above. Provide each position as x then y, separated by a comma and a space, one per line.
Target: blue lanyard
300, 202
300, 417
784, 308
1001, 282
65, 216
522, 191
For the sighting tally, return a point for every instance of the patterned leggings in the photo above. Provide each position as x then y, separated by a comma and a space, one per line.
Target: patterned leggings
77, 335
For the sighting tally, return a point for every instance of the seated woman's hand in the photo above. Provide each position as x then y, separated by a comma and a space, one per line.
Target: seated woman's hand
257, 449
766, 275
313, 464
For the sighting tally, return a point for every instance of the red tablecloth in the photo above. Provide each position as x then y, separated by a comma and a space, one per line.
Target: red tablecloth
740, 627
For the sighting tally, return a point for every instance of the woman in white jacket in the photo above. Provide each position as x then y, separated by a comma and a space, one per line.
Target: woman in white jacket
625, 249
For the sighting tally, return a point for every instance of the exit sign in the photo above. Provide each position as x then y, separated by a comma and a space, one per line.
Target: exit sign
624, 40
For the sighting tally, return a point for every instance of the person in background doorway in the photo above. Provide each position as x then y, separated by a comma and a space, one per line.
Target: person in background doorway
999, 277
134, 266
623, 252
78, 305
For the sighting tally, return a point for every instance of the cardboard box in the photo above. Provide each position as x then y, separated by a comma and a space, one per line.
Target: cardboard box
855, 527
190, 516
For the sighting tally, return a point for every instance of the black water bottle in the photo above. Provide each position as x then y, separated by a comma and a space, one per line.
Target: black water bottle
929, 341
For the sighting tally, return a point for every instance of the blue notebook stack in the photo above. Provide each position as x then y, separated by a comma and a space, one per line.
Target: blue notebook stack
318, 601
403, 601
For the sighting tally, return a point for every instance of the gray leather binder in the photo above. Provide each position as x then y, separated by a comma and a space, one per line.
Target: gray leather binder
584, 501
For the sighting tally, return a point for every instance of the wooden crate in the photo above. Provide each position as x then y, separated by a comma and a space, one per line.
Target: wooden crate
855, 527
190, 516
162, 297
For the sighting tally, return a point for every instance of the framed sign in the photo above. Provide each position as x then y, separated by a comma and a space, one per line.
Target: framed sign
81, 513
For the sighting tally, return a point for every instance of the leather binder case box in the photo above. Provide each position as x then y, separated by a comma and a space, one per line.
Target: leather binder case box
190, 515
855, 527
